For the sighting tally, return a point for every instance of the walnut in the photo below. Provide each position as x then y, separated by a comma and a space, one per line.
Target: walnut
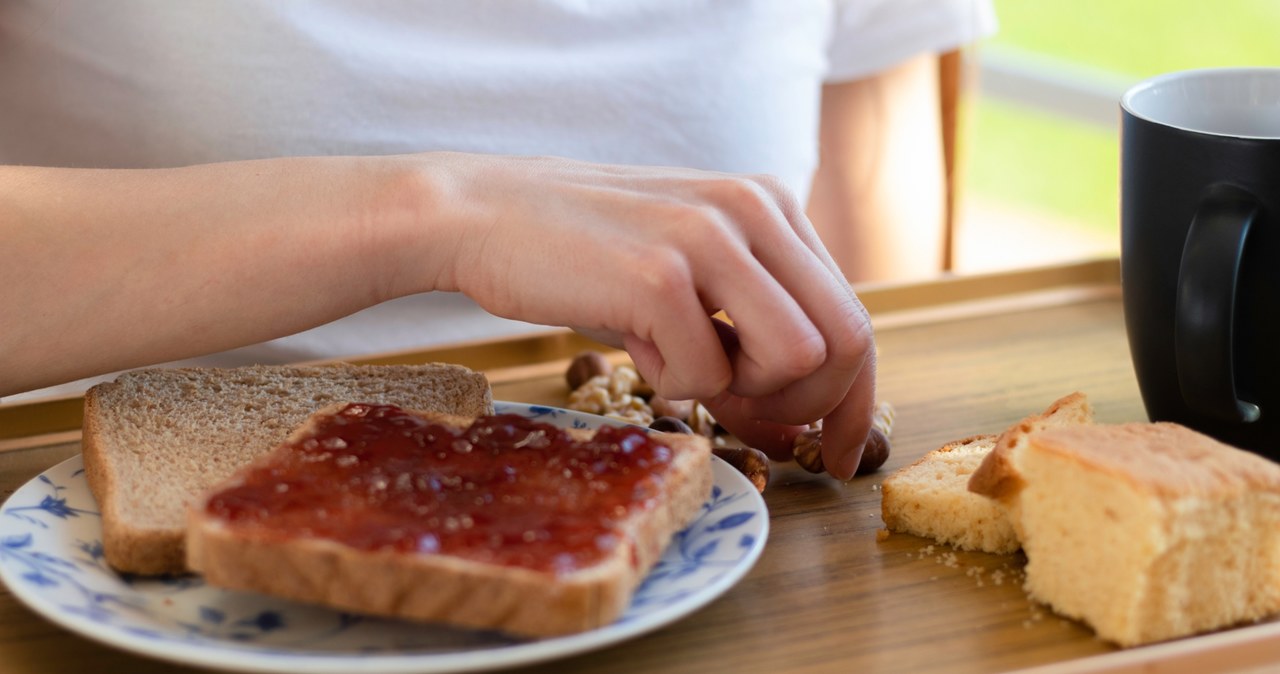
610, 395
622, 381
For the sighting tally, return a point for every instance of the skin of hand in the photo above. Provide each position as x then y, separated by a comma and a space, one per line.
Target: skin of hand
111, 269
642, 257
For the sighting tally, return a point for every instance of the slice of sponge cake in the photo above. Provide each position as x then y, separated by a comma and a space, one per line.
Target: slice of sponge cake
1147, 532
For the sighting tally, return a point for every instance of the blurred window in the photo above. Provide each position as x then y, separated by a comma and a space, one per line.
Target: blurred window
1040, 174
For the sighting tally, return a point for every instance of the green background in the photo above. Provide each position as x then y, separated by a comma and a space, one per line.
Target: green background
1036, 160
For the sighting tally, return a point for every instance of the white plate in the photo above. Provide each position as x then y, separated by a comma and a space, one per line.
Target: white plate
51, 559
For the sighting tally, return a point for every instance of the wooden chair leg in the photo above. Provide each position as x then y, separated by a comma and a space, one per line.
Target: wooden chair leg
949, 81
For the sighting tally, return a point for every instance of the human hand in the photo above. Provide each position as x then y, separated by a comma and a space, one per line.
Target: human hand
643, 257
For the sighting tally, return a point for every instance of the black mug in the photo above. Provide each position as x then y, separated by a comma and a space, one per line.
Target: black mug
1200, 250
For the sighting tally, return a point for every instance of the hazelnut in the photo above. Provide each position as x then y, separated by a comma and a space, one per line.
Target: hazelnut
807, 448
585, 366
668, 424
751, 462
680, 409
874, 453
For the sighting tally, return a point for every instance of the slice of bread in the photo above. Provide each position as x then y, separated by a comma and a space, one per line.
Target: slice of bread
154, 439
931, 497
502, 525
1146, 532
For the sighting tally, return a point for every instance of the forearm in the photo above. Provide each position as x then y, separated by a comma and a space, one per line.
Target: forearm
878, 194
109, 269
103, 270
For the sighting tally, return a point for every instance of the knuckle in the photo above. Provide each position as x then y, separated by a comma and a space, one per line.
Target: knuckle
777, 191
771, 184
850, 345
808, 353
698, 227
661, 273
740, 191
700, 386
740, 197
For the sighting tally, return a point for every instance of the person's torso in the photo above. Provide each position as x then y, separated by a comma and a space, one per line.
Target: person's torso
731, 85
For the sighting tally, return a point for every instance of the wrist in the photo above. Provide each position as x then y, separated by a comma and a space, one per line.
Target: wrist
416, 224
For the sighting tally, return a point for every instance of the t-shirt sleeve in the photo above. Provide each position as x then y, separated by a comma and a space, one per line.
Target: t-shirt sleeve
871, 35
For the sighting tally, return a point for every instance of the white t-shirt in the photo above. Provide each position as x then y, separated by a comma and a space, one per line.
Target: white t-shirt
729, 85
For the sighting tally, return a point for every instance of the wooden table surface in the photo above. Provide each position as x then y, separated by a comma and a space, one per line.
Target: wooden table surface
826, 595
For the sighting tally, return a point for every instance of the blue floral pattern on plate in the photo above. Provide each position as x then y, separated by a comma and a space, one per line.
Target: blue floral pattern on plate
51, 559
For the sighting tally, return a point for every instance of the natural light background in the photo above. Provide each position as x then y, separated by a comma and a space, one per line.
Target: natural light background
1040, 155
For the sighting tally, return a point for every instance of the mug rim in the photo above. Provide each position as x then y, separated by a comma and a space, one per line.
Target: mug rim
1138, 89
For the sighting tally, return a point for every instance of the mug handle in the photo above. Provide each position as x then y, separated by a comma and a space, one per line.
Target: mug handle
1204, 317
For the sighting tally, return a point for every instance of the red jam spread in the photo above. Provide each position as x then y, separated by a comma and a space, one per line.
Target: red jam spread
507, 490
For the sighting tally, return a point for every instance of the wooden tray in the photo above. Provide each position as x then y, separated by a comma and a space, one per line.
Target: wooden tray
956, 357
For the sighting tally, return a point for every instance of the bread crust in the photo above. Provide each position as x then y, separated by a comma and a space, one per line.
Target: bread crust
1163, 459
441, 588
153, 439
998, 477
144, 551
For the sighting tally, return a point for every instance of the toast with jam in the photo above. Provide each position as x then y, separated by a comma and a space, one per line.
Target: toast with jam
492, 522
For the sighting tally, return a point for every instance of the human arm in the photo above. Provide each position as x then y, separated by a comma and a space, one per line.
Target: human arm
878, 194
103, 270
109, 269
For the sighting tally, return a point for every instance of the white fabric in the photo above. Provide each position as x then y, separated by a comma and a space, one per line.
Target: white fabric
730, 85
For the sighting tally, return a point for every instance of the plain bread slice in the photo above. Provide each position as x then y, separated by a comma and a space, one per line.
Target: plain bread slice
155, 439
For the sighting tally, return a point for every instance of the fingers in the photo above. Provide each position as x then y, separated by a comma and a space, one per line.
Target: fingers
778, 342
772, 438
715, 267
643, 257
803, 336
850, 347
844, 432
845, 429
767, 404
845, 426
675, 346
